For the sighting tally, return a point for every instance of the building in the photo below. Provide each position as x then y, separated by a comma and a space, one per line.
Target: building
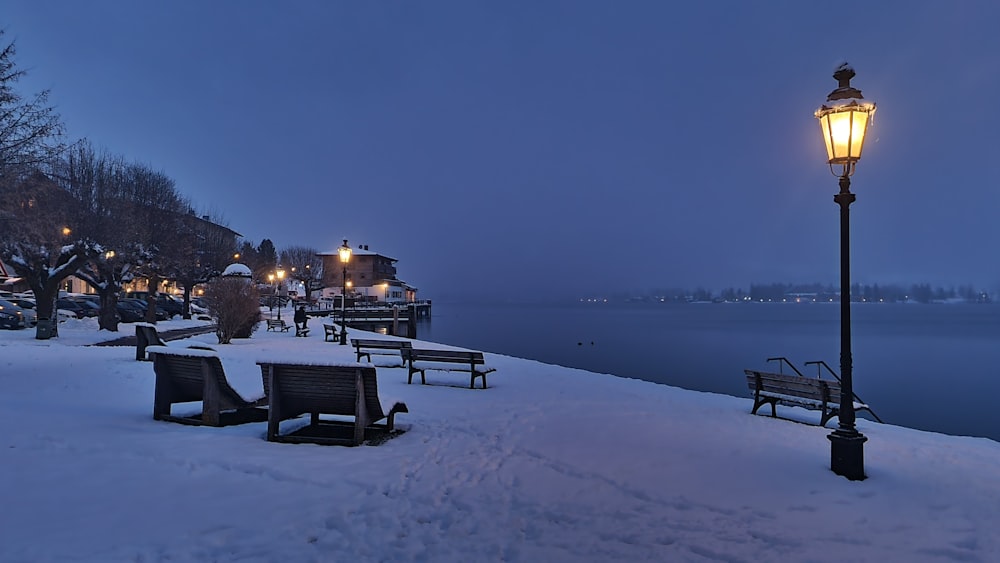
370, 277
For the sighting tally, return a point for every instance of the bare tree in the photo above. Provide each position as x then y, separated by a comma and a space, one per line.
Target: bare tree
31, 132
304, 265
207, 247
157, 210
38, 237
98, 183
235, 305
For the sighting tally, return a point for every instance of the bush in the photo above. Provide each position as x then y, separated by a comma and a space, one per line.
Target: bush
234, 304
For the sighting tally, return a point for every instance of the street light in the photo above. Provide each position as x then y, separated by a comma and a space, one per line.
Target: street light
270, 302
281, 279
844, 119
345, 257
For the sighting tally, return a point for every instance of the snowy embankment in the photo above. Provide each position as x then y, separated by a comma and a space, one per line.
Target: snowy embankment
549, 464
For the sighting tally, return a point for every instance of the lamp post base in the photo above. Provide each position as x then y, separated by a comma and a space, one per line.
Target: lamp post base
847, 454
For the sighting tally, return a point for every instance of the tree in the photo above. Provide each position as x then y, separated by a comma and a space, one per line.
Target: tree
305, 266
157, 211
98, 183
30, 131
266, 260
234, 304
208, 248
38, 237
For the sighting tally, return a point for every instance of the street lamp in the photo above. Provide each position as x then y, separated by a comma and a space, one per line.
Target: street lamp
270, 302
345, 257
281, 279
844, 119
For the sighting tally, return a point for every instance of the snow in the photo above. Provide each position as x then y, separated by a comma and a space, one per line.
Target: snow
237, 270
548, 464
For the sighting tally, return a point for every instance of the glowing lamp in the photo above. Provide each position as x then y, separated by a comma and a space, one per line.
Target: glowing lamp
345, 252
844, 120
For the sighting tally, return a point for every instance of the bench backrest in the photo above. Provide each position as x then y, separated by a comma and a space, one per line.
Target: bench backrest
380, 344
451, 356
806, 387
185, 374
146, 335
149, 332
275, 322
322, 388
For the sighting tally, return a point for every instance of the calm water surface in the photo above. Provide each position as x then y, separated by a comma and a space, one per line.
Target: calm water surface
933, 367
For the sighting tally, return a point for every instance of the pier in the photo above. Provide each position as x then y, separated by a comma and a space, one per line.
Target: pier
396, 320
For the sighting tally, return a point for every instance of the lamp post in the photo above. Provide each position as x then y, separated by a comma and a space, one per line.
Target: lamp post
844, 119
281, 280
270, 302
345, 257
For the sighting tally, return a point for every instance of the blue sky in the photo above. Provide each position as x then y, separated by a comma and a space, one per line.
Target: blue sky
549, 148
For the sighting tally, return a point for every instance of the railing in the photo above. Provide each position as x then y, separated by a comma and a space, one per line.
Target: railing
821, 364
783, 360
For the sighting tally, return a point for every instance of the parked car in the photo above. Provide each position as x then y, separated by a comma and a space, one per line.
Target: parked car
170, 304
11, 316
161, 314
28, 308
79, 308
130, 312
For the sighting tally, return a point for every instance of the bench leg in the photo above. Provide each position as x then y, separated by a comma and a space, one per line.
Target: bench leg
761, 402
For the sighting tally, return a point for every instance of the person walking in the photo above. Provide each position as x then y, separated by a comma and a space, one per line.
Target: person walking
301, 319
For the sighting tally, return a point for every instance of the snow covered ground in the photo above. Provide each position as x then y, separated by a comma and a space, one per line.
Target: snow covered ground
549, 464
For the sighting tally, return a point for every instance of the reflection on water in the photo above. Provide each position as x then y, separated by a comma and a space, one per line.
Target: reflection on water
933, 367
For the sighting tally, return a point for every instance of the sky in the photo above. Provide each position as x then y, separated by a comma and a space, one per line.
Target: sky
547, 464
549, 148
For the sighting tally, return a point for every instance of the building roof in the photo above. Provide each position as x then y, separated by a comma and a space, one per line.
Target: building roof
361, 250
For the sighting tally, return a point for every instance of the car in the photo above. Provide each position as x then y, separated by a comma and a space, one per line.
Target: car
170, 304
27, 307
130, 312
161, 314
11, 316
79, 308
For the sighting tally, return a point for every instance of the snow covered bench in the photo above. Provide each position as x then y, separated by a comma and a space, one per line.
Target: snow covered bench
190, 374
420, 360
146, 335
366, 347
341, 390
816, 394
277, 324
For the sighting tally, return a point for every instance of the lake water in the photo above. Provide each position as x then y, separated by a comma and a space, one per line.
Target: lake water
932, 367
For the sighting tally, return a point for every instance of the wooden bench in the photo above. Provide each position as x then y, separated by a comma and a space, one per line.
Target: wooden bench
347, 390
392, 348
811, 393
277, 324
192, 374
146, 335
421, 360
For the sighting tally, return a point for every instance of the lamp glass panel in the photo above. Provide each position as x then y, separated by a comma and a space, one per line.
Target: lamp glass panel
844, 134
859, 125
345, 255
824, 124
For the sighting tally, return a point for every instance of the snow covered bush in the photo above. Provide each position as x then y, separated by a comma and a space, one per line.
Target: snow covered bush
234, 305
